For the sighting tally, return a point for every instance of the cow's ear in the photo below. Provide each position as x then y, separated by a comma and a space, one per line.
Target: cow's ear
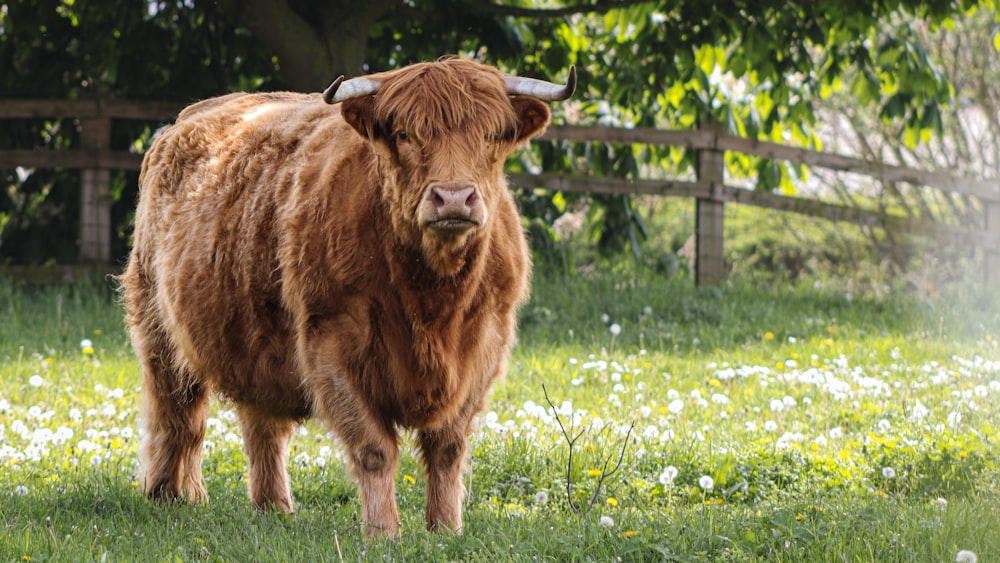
532, 115
360, 114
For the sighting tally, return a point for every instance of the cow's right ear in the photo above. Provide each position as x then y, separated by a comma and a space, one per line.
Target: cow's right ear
360, 114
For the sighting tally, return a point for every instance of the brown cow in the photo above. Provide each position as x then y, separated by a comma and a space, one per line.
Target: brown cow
363, 264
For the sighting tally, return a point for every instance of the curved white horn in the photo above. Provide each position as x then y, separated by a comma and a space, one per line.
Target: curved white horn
518, 86
341, 89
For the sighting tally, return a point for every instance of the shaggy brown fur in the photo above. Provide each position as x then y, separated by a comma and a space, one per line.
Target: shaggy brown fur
287, 258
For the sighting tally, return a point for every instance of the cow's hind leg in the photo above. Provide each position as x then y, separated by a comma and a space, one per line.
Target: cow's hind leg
265, 441
174, 413
444, 457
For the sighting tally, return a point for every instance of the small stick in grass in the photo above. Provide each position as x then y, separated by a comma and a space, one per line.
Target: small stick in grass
571, 441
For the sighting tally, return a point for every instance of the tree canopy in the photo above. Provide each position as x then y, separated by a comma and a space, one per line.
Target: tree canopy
758, 67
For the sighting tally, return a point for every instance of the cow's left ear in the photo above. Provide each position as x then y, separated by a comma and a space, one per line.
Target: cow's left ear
532, 114
360, 114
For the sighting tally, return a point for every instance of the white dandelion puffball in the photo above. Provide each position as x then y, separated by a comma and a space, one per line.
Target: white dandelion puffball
541, 497
668, 475
86, 343
606, 522
615, 329
888, 472
706, 482
966, 556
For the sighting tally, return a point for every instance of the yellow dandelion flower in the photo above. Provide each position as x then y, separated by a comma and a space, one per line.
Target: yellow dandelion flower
409, 479
768, 336
25, 558
88, 350
989, 338
882, 494
628, 533
612, 501
98, 332
780, 365
594, 473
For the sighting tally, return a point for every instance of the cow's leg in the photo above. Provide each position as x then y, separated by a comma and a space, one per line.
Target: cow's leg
265, 441
444, 458
175, 408
372, 448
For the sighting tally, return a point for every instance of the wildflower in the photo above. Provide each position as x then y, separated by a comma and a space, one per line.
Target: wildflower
888, 472
941, 502
792, 340
594, 472
612, 501
605, 318
615, 329
668, 475
770, 426
768, 336
676, 406
628, 533
36, 381
409, 479
21, 490
606, 522
966, 556
86, 343
541, 497
706, 482
777, 405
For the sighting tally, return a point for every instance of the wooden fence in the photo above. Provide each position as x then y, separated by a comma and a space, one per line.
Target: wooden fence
95, 159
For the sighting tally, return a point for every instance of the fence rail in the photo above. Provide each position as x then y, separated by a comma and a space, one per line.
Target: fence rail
96, 159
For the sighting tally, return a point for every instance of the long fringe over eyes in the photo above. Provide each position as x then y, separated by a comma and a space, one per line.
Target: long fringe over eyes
431, 99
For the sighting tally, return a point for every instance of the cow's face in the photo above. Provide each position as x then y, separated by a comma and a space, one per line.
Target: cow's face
441, 134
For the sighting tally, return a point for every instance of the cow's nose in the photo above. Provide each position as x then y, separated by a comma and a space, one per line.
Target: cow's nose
454, 200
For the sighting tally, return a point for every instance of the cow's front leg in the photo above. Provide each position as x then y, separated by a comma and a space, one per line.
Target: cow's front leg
444, 458
372, 448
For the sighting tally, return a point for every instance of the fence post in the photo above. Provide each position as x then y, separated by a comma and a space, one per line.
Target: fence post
710, 262
992, 275
95, 192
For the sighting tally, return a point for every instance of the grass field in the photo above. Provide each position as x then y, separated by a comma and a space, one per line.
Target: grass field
770, 424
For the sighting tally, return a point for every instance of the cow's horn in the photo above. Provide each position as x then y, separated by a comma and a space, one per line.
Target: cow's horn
518, 86
341, 89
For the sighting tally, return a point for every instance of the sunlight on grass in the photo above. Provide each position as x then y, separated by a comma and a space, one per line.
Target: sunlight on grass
788, 428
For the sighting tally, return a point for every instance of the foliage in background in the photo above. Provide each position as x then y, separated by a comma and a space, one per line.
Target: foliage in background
757, 67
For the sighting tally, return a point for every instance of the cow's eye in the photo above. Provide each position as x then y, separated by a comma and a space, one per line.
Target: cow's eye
402, 135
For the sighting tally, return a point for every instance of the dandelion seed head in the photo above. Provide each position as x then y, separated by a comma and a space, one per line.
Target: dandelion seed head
966, 556
615, 329
606, 522
541, 497
36, 381
668, 475
706, 482
888, 472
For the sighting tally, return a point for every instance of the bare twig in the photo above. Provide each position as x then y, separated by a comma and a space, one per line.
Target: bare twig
604, 470
571, 441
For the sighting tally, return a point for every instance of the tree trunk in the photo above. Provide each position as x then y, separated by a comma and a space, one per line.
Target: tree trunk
312, 48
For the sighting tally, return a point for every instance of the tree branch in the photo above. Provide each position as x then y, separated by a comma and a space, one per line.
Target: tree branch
598, 7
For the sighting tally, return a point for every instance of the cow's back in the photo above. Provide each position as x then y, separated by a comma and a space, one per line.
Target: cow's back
204, 286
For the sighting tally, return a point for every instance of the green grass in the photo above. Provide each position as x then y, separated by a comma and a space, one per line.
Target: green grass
834, 427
